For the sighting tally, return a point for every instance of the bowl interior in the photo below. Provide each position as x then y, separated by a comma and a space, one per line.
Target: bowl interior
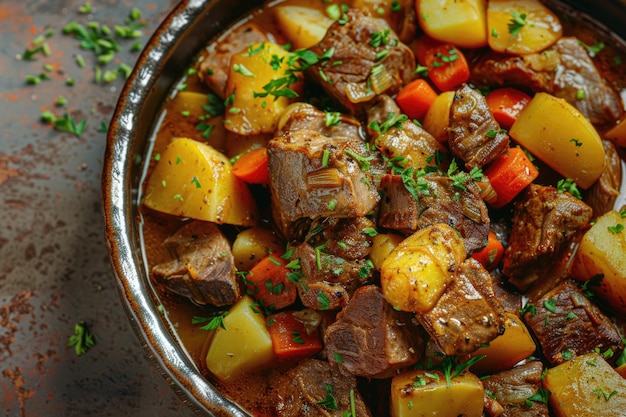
173, 46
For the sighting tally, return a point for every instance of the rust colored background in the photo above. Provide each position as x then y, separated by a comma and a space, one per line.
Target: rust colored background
54, 267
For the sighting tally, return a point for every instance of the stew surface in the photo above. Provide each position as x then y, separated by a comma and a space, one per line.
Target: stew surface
405, 209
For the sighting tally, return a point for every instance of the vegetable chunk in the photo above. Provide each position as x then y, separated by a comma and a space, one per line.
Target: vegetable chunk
423, 393
302, 26
462, 23
558, 134
251, 72
586, 386
521, 27
417, 271
242, 345
194, 180
601, 254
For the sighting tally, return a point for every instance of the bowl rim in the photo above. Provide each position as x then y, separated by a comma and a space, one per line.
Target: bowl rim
155, 333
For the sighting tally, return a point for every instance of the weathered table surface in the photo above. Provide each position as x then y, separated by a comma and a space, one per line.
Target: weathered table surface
54, 266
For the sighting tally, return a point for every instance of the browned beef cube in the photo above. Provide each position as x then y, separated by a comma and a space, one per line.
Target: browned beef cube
313, 176
358, 70
599, 102
474, 135
202, 267
305, 116
315, 389
513, 388
440, 201
328, 281
545, 222
370, 338
564, 70
567, 324
468, 314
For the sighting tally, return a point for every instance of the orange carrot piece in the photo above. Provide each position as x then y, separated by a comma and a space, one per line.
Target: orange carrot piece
290, 339
446, 64
491, 255
415, 98
509, 174
252, 168
506, 104
268, 282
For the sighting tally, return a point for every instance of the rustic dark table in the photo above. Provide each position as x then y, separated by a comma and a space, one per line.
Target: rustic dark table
54, 266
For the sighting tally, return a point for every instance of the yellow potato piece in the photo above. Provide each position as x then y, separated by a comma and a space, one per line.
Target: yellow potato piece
437, 118
194, 180
252, 245
416, 394
559, 135
507, 349
382, 245
521, 27
243, 346
618, 134
416, 272
249, 72
586, 386
462, 23
603, 251
302, 26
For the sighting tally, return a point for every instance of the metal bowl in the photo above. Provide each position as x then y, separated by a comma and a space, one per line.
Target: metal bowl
173, 46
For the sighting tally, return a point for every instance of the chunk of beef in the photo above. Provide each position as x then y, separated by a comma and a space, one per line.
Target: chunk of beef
532, 72
349, 238
301, 115
512, 389
371, 338
328, 281
360, 68
440, 201
467, 315
305, 389
313, 176
407, 141
577, 73
567, 324
474, 136
202, 267
564, 70
213, 69
602, 195
545, 222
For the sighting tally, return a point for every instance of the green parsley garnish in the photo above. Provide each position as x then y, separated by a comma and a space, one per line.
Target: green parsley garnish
212, 322
82, 339
517, 22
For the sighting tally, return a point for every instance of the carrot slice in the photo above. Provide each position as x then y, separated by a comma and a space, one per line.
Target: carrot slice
252, 167
491, 254
415, 98
509, 174
446, 64
506, 104
268, 282
290, 339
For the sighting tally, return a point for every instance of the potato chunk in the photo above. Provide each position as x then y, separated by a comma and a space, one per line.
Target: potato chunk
194, 180
242, 345
417, 393
417, 271
560, 136
521, 26
253, 72
302, 26
586, 386
462, 23
601, 253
